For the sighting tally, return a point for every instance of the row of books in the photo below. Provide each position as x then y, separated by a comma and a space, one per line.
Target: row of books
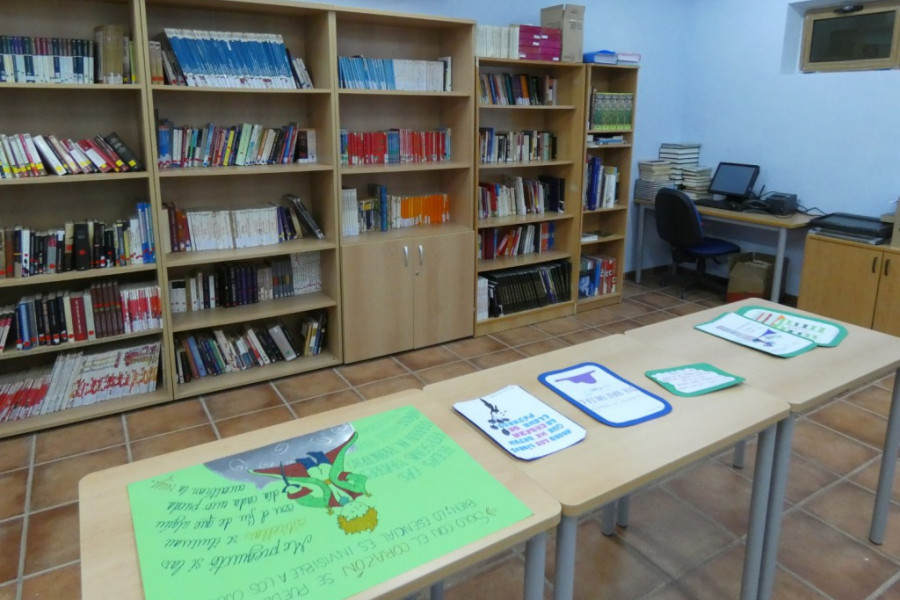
238, 145
534, 238
600, 184
529, 42
33, 59
507, 89
597, 276
105, 309
226, 59
524, 288
216, 352
539, 43
26, 155
521, 196
381, 211
79, 379
78, 246
362, 73
695, 181
194, 230
394, 146
233, 284
515, 146
611, 111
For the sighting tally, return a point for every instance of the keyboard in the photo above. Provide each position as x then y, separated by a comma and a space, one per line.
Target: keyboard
723, 204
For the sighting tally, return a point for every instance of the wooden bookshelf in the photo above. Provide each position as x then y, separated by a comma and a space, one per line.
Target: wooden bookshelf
610, 222
564, 119
409, 287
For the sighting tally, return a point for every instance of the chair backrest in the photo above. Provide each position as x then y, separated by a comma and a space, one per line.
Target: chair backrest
677, 220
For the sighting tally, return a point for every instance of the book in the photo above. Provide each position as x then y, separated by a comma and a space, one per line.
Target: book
307, 221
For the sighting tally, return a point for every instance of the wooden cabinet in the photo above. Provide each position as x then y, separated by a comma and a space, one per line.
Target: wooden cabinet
531, 124
853, 282
401, 280
603, 229
406, 293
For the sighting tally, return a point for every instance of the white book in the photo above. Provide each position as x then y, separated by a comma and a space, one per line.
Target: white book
284, 346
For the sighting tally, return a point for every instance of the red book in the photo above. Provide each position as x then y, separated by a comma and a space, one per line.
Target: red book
96, 158
79, 322
111, 154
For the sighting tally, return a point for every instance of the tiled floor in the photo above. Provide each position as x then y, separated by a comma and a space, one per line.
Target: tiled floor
685, 540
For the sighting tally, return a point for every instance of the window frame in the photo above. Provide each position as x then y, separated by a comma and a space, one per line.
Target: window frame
869, 64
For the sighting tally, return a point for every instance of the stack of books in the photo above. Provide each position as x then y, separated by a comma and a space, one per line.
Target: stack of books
681, 156
653, 175
695, 181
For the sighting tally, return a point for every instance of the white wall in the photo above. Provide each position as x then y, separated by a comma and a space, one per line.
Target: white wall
724, 73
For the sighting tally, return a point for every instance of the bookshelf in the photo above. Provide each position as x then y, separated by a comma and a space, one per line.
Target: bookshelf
562, 118
604, 228
307, 32
48, 202
408, 287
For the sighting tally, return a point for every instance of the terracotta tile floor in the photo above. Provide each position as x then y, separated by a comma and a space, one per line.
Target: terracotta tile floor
685, 539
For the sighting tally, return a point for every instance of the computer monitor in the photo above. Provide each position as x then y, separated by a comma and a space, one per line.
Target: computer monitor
734, 180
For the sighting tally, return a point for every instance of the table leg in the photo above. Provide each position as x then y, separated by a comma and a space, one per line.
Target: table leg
564, 579
622, 508
437, 591
779, 265
756, 524
639, 249
535, 566
737, 461
780, 465
608, 520
888, 466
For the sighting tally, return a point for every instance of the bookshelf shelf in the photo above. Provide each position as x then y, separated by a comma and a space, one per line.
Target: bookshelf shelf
513, 220
403, 93
74, 179
178, 89
204, 257
521, 260
242, 171
269, 309
537, 164
71, 87
523, 318
60, 278
603, 240
515, 107
405, 168
13, 354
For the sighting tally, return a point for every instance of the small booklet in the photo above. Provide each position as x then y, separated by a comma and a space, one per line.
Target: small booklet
694, 379
820, 331
520, 423
753, 334
604, 395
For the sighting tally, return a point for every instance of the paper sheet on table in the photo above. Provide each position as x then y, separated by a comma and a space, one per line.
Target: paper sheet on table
747, 332
604, 395
694, 379
820, 331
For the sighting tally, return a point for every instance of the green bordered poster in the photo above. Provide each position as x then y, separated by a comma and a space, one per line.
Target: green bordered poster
324, 515
694, 379
753, 334
820, 331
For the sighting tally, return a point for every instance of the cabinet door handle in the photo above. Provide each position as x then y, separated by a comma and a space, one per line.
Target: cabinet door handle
874, 264
421, 254
406, 256
887, 264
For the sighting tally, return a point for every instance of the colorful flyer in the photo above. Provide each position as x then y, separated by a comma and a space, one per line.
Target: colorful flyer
324, 515
694, 379
520, 423
747, 332
604, 395
820, 331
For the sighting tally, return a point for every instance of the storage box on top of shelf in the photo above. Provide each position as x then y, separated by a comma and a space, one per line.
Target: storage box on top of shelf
569, 19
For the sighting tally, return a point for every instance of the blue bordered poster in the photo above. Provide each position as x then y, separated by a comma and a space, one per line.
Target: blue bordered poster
604, 395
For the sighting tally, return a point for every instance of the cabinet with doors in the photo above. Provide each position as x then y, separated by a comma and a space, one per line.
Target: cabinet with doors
529, 186
610, 95
406, 179
853, 282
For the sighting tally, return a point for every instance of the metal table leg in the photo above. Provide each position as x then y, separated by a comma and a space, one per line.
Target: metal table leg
888, 466
564, 580
759, 501
535, 566
780, 466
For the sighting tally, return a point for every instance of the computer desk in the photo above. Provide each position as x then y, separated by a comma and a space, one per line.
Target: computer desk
804, 382
109, 561
781, 225
612, 462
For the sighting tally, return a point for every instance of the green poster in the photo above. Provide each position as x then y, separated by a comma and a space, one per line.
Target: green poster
324, 516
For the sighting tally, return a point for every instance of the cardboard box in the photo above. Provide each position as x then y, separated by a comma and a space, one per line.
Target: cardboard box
569, 19
750, 275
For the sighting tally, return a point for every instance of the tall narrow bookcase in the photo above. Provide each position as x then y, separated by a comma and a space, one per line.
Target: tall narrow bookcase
408, 287
46, 203
563, 119
604, 229
308, 33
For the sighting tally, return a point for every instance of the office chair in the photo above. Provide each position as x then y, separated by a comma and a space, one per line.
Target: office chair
678, 223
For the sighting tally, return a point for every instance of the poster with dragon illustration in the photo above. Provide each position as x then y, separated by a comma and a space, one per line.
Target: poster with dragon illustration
320, 516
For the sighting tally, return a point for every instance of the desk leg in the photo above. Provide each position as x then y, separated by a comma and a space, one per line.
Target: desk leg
759, 500
608, 519
622, 507
774, 514
779, 265
737, 461
888, 466
535, 566
639, 250
437, 591
564, 579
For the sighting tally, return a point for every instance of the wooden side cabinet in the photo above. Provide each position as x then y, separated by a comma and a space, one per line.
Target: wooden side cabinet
852, 282
407, 293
